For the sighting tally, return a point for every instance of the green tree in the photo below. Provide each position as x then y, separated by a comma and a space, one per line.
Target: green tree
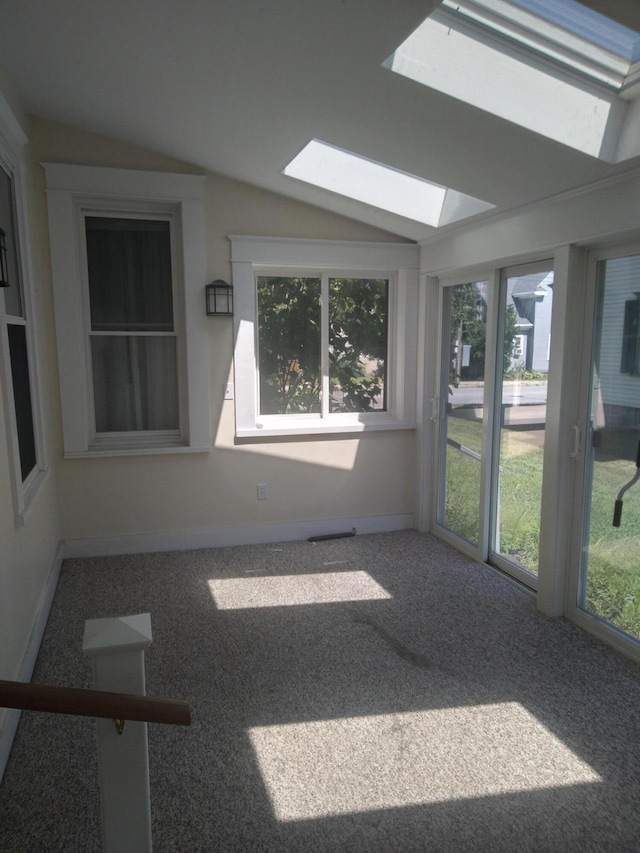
509, 339
290, 341
357, 344
469, 328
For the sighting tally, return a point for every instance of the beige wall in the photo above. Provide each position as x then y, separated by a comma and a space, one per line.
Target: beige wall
28, 551
82, 499
309, 480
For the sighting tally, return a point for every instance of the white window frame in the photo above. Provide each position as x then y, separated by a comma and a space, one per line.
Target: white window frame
24, 493
74, 192
253, 256
580, 470
157, 213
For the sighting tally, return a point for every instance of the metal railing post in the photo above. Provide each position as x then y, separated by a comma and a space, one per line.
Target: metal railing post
116, 647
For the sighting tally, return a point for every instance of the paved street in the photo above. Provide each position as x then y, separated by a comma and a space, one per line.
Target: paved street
514, 394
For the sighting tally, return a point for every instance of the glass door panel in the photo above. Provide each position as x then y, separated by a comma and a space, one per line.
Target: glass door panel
610, 572
526, 303
461, 408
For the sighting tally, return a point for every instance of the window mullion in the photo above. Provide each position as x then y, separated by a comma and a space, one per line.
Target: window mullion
324, 344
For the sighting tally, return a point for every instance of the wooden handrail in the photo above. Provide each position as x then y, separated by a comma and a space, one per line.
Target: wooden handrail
93, 703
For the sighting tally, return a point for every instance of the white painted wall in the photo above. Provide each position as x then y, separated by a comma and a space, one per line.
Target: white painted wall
29, 556
366, 476
188, 500
606, 211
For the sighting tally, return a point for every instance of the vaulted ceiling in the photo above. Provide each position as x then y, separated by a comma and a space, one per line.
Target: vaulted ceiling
239, 87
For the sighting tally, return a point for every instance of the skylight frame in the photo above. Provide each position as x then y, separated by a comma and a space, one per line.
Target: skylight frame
511, 23
595, 28
504, 59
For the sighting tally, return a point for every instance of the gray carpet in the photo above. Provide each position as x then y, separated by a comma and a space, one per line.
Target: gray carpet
379, 693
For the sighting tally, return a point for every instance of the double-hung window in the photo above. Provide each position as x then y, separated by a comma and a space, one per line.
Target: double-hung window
132, 334
128, 258
323, 346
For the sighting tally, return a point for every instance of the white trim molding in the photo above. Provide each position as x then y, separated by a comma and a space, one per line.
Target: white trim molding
219, 537
12, 161
9, 724
180, 198
396, 261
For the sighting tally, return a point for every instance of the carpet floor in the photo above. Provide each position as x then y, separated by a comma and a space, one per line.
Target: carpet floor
379, 693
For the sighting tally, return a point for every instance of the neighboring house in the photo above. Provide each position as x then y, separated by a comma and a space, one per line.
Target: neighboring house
532, 298
619, 375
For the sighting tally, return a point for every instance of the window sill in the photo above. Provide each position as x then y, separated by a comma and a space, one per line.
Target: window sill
93, 453
269, 427
31, 492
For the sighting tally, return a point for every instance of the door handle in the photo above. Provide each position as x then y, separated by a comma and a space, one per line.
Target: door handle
577, 441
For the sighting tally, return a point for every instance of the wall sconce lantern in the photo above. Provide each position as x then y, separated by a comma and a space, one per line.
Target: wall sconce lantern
4, 264
219, 298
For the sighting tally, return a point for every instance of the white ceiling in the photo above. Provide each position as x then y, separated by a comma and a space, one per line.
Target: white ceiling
239, 87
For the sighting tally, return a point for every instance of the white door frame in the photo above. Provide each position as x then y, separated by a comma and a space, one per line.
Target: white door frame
563, 442
604, 631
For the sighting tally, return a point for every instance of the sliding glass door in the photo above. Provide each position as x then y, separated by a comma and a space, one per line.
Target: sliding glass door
492, 414
462, 377
520, 400
608, 588
491, 433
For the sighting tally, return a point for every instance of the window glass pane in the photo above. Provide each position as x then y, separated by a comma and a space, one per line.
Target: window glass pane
135, 382
289, 341
610, 588
527, 304
462, 396
630, 359
358, 326
22, 396
129, 266
12, 294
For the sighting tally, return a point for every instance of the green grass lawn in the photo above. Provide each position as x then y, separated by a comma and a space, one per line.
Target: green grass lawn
462, 503
613, 580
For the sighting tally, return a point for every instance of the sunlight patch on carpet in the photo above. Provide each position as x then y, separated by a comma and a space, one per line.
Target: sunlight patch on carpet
292, 590
362, 764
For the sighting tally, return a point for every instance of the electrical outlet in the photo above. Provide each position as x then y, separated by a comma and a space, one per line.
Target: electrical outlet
262, 491
228, 391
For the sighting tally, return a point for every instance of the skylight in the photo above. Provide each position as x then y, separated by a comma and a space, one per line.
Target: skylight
381, 186
552, 66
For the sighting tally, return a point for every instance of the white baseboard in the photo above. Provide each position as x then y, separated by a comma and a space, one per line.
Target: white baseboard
9, 725
187, 540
